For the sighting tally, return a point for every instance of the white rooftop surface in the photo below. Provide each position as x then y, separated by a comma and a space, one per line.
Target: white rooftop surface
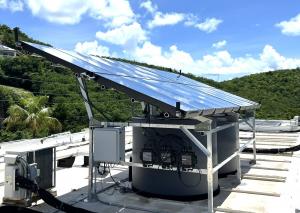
271, 185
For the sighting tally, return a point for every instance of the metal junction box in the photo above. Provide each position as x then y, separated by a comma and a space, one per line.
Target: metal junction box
109, 144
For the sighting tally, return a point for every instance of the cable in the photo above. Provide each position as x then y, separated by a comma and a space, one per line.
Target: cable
47, 197
117, 183
102, 173
178, 140
46, 92
16, 209
27, 79
86, 100
66, 102
54, 202
274, 150
47, 82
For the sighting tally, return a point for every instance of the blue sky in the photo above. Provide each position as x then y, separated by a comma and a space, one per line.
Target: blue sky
210, 38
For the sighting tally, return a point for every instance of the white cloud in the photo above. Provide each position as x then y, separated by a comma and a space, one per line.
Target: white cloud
12, 5
151, 8
92, 48
276, 61
290, 27
172, 18
219, 62
128, 36
209, 25
191, 20
113, 12
163, 19
154, 54
62, 12
116, 12
219, 44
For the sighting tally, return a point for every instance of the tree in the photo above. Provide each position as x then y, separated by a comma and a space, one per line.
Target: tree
32, 115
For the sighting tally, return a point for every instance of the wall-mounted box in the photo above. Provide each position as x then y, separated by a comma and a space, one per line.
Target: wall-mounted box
109, 144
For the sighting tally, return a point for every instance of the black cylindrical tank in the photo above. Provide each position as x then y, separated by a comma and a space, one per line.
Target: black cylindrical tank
170, 184
227, 143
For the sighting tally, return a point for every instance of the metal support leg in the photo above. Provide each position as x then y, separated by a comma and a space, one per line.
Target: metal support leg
91, 177
238, 161
210, 183
254, 139
91, 185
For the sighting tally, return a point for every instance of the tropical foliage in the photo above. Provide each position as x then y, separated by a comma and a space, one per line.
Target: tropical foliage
32, 116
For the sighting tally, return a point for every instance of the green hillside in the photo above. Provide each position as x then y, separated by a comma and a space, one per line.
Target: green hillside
7, 38
277, 91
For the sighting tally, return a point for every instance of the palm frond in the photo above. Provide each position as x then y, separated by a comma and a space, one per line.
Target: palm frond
17, 112
53, 124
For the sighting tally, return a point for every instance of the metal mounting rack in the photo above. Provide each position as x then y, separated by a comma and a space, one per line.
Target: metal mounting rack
212, 101
206, 150
205, 130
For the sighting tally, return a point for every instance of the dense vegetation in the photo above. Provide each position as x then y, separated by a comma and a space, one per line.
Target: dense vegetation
39, 76
7, 38
277, 91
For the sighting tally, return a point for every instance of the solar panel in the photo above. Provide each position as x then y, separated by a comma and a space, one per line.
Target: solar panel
156, 87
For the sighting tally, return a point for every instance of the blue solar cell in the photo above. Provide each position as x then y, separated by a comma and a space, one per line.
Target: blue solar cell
160, 87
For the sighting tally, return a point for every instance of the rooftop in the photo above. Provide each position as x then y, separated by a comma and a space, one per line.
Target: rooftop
271, 185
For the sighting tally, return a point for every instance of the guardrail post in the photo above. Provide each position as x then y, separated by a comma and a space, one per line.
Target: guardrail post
238, 170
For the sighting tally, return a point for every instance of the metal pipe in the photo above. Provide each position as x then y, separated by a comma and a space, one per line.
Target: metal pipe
54, 165
148, 125
210, 184
216, 168
220, 128
238, 160
195, 141
154, 166
249, 124
254, 140
85, 97
91, 188
245, 145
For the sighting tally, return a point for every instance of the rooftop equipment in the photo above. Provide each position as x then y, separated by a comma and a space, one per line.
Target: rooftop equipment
174, 105
35, 163
177, 155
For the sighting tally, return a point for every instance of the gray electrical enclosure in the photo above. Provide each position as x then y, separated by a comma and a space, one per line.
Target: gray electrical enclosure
109, 144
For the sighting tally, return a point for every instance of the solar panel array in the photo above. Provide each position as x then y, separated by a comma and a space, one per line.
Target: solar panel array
158, 87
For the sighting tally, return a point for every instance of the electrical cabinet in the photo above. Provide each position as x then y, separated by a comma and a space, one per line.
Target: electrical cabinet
45, 158
109, 144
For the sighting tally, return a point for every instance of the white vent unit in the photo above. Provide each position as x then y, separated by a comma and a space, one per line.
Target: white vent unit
109, 144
